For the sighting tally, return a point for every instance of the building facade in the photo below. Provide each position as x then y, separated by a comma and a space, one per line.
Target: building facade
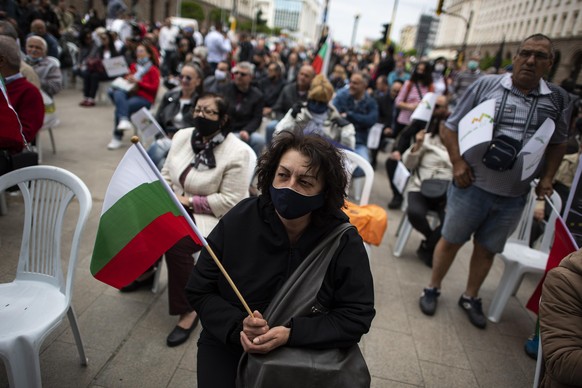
407, 37
301, 17
510, 21
426, 34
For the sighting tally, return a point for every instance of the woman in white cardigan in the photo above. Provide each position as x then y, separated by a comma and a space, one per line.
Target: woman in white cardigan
207, 167
427, 158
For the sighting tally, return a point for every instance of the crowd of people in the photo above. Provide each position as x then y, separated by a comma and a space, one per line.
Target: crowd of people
222, 89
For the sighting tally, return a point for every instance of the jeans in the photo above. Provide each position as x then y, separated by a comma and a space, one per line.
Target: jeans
91, 82
270, 130
256, 141
125, 105
362, 150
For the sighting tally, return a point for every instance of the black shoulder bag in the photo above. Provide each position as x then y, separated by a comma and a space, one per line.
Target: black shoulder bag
503, 150
287, 367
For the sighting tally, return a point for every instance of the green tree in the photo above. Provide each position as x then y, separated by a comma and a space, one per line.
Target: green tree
192, 10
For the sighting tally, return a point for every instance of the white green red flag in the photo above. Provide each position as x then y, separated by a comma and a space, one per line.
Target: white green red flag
321, 61
140, 220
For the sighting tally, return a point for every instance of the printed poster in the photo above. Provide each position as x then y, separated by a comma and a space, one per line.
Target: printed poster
425, 108
115, 67
477, 126
533, 150
573, 208
401, 175
147, 125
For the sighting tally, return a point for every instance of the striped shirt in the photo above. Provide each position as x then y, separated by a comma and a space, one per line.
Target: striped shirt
553, 103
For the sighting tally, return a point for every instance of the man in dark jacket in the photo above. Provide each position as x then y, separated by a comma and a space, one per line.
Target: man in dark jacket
245, 107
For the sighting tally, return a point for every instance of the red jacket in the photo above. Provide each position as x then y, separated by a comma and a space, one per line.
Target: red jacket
148, 86
27, 102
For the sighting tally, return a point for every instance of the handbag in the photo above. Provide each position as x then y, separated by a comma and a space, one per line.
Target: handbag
370, 220
287, 367
95, 65
435, 189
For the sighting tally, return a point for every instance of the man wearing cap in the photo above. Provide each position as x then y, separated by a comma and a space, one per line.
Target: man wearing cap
317, 115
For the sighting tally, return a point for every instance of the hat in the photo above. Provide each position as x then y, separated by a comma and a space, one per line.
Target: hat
320, 90
100, 30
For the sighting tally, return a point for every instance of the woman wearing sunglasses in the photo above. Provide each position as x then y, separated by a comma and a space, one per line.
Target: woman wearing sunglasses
175, 111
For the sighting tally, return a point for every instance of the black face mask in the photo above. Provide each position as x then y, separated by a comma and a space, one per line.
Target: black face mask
291, 205
206, 127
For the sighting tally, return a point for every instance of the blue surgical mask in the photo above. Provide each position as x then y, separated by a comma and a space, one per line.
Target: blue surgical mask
472, 65
316, 107
30, 60
291, 205
143, 61
219, 74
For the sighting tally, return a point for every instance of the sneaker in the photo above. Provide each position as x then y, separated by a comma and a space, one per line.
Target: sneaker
124, 125
474, 310
114, 144
428, 300
396, 202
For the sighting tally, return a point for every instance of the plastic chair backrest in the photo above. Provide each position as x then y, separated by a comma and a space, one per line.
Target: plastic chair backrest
548, 237
74, 50
358, 161
47, 192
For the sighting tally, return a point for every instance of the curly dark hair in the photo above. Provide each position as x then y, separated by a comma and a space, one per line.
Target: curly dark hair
324, 158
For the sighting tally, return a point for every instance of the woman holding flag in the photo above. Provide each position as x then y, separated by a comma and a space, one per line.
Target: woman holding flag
207, 169
261, 242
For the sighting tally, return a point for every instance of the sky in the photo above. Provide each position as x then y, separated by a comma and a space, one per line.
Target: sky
373, 13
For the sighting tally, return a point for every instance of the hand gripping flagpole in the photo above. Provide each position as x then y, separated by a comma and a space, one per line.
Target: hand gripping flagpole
135, 141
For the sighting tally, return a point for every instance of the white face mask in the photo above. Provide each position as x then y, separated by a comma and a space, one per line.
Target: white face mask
219, 74
439, 67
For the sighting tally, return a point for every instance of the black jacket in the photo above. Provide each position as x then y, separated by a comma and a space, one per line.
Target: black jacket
169, 107
245, 110
253, 246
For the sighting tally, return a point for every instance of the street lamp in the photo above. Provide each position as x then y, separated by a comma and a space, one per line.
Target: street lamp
356, 18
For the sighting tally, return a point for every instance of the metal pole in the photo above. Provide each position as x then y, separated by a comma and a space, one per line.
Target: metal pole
254, 16
325, 12
464, 46
356, 18
391, 21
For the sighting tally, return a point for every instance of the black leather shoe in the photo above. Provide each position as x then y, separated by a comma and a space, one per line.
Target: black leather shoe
137, 284
180, 335
396, 202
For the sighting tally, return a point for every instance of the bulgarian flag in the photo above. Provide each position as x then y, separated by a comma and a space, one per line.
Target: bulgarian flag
140, 220
321, 61
563, 245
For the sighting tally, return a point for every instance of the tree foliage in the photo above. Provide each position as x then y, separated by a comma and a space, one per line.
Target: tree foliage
192, 10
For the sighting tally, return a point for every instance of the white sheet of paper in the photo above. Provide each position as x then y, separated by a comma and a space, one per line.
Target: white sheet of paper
375, 135
477, 126
147, 125
425, 108
115, 67
534, 149
401, 175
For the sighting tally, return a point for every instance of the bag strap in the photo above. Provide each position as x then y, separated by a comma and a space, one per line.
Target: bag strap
529, 114
418, 90
297, 295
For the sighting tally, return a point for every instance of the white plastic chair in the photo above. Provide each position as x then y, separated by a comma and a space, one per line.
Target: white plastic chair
363, 191
405, 229
37, 300
519, 258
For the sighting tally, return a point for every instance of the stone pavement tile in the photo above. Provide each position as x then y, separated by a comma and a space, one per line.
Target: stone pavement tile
60, 364
495, 371
189, 360
527, 364
183, 378
391, 355
142, 361
441, 376
438, 343
516, 320
108, 322
390, 313
385, 383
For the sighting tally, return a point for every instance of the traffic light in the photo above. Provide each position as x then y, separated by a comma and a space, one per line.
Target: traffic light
386, 28
439, 9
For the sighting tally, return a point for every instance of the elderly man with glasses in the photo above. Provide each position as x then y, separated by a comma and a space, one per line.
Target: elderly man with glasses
245, 107
487, 196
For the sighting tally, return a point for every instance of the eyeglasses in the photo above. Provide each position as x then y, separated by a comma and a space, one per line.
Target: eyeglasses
538, 55
204, 111
185, 77
241, 73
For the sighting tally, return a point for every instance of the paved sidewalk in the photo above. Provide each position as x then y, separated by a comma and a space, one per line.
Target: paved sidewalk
125, 334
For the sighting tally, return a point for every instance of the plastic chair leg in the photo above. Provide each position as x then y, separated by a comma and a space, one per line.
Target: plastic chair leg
403, 235
50, 131
402, 220
509, 281
77, 335
23, 365
3, 205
